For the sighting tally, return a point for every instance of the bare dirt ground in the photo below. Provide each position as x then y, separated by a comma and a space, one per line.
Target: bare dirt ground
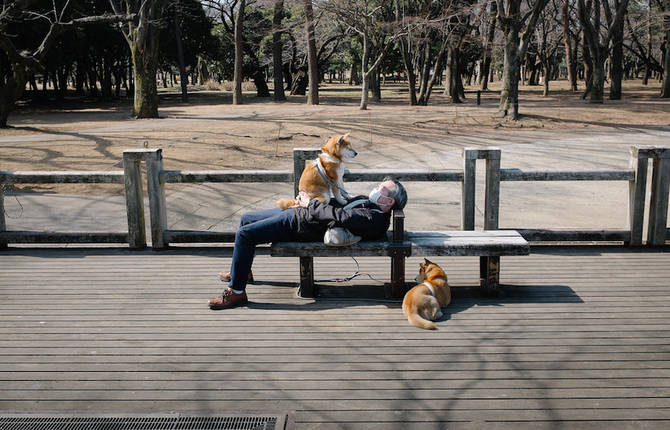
210, 133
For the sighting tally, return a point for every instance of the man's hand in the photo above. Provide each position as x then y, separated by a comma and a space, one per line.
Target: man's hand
302, 200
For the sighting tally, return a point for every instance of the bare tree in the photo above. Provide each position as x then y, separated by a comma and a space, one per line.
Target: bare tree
429, 30
313, 65
665, 87
570, 42
229, 11
277, 68
517, 28
23, 62
376, 30
548, 43
239, 52
180, 50
488, 46
643, 51
599, 45
142, 35
616, 53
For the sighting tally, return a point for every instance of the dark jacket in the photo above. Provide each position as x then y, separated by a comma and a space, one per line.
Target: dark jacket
367, 220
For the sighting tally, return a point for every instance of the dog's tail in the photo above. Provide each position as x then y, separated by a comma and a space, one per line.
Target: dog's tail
286, 203
417, 321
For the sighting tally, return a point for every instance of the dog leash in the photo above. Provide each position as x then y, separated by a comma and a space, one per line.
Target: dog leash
322, 173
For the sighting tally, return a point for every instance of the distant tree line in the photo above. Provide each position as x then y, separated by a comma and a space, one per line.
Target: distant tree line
110, 48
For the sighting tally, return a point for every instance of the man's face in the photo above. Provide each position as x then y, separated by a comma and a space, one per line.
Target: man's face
385, 200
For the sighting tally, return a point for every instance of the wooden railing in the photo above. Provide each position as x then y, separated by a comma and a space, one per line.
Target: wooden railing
162, 237
636, 176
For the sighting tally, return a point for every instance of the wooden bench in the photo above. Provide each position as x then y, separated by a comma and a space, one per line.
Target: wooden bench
489, 245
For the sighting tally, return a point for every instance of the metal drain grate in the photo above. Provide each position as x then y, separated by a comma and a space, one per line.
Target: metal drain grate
173, 422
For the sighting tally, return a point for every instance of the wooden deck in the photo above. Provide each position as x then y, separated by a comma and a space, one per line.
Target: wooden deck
581, 340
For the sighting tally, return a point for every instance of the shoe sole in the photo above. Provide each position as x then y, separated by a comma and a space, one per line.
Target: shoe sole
221, 307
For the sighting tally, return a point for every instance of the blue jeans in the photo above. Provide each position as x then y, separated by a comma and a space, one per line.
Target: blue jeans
263, 226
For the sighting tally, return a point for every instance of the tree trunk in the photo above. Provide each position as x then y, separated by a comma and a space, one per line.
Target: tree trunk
354, 77
366, 76
299, 85
665, 87
567, 41
203, 71
403, 45
616, 65
597, 92
647, 64
239, 50
180, 51
425, 73
586, 54
375, 86
436, 72
277, 61
262, 89
545, 92
409, 71
452, 81
490, 35
312, 60
11, 90
509, 94
146, 94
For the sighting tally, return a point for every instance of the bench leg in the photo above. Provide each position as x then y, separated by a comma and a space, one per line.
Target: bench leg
398, 277
306, 288
489, 273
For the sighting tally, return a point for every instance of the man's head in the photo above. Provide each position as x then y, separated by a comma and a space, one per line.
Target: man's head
389, 194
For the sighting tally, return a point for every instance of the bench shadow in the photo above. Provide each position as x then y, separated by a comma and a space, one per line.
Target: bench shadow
463, 297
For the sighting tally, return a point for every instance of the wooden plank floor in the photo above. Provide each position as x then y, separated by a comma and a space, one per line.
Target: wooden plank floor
580, 339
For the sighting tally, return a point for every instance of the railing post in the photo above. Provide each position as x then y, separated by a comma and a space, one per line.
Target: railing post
658, 207
492, 196
3, 226
300, 155
492, 192
637, 191
156, 192
468, 189
134, 198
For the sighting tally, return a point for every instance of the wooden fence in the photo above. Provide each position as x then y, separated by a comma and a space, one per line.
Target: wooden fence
161, 236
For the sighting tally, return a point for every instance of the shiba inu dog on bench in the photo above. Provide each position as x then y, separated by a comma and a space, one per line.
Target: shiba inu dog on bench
322, 178
423, 303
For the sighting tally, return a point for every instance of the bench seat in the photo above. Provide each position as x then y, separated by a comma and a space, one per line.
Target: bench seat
461, 243
489, 245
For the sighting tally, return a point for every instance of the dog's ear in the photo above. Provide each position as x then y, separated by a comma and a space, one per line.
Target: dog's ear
342, 138
427, 261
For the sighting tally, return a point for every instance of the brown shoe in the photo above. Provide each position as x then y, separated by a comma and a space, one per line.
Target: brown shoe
228, 300
225, 277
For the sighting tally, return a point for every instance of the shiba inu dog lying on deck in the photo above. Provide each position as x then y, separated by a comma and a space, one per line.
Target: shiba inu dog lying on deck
322, 178
423, 303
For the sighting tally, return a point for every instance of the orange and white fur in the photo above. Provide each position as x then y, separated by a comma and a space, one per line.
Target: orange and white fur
423, 303
312, 186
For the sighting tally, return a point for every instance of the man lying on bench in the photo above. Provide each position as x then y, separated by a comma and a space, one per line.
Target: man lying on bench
364, 217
